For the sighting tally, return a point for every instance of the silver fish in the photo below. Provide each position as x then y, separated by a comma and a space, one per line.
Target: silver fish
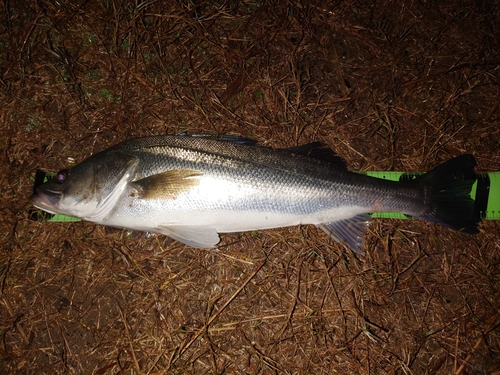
193, 187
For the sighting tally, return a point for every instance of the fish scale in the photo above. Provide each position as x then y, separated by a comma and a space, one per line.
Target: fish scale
233, 161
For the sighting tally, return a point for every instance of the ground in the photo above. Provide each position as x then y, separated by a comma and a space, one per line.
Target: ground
389, 85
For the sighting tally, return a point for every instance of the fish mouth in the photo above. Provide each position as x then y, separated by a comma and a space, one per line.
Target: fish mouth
46, 200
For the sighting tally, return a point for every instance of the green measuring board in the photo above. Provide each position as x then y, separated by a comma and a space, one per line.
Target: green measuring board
485, 192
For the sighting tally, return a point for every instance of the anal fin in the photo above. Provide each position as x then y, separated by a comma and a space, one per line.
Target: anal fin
350, 232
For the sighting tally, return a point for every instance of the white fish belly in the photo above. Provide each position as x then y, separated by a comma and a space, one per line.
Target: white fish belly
227, 221
227, 207
246, 221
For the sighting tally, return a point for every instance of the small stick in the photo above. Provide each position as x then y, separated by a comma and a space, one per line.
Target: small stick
493, 324
213, 317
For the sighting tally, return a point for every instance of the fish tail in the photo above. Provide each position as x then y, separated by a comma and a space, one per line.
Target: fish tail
447, 195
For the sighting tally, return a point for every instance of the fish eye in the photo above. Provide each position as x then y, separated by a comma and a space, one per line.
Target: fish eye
61, 176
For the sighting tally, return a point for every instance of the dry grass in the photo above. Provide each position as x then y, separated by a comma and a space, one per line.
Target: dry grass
389, 85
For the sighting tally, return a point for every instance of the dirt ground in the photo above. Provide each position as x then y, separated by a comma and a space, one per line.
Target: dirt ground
389, 85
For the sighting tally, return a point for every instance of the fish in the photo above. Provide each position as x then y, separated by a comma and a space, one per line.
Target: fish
193, 187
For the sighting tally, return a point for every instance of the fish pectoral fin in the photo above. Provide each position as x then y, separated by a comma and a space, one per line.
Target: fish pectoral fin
196, 236
167, 185
350, 232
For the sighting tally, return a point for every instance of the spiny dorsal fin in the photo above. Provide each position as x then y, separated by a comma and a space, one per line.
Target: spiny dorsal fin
224, 137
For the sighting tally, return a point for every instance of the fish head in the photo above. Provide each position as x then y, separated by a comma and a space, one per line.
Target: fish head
90, 189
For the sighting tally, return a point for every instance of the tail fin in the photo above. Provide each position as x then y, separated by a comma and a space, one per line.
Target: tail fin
447, 194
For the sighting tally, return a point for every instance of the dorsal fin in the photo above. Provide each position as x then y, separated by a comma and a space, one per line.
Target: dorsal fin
224, 137
319, 151
315, 150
